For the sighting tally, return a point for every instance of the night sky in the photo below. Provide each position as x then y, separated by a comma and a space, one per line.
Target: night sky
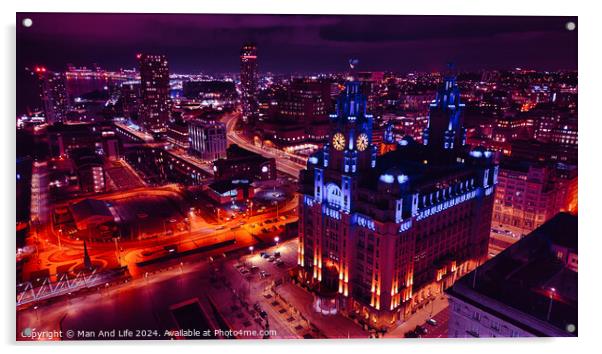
297, 44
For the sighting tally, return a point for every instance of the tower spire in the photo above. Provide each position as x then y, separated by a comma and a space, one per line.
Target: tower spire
87, 260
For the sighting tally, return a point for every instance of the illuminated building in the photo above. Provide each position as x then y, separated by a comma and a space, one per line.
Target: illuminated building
207, 139
130, 99
529, 290
513, 127
530, 193
227, 191
53, 93
300, 116
248, 83
244, 164
379, 236
533, 150
177, 134
90, 170
154, 91
307, 101
556, 128
217, 93
160, 166
63, 139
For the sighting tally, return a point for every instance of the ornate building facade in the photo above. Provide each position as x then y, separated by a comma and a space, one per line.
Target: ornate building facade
379, 236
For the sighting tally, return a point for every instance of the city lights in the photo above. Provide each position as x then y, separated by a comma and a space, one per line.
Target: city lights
257, 193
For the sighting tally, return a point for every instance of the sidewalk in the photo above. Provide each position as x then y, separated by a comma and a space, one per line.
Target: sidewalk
419, 318
333, 326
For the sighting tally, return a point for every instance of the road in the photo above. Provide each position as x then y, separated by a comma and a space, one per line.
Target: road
440, 330
283, 163
143, 303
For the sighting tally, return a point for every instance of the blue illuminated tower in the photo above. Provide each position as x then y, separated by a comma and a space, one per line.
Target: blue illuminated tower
446, 126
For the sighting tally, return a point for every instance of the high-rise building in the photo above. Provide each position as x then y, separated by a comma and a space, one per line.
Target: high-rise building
207, 139
529, 290
130, 99
248, 83
154, 91
379, 236
53, 93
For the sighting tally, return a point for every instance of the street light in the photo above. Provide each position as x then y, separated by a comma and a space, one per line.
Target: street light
552, 293
276, 239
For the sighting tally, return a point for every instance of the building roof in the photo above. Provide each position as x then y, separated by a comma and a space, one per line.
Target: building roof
519, 282
421, 164
90, 208
235, 151
561, 230
227, 185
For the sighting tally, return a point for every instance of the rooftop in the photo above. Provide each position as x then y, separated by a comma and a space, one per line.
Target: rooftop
90, 208
521, 281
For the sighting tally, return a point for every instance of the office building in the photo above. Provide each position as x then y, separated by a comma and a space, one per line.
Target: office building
248, 83
53, 93
207, 139
531, 193
154, 91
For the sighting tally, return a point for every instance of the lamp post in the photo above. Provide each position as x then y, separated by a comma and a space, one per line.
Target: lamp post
59, 238
117, 250
552, 293
276, 202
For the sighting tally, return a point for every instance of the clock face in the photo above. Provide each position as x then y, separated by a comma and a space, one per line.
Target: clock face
362, 142
338, 141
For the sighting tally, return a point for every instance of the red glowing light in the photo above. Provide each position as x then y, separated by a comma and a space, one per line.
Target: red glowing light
138, 56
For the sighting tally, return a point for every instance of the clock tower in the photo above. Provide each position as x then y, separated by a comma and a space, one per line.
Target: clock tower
350, 149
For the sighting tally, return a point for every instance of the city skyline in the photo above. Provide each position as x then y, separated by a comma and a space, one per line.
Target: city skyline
257, 205
314, 42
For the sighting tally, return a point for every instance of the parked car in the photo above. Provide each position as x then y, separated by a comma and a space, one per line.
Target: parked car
411, 334
432, 321
420, 329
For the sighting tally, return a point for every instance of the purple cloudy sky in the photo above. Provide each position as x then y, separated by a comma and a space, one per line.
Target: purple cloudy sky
293, 43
